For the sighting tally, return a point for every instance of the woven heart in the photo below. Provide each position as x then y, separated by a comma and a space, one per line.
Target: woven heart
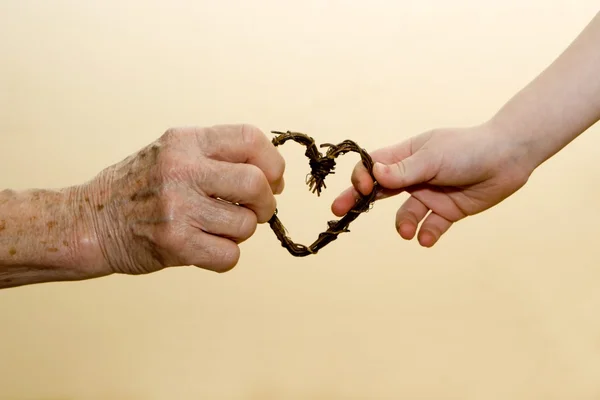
321, 165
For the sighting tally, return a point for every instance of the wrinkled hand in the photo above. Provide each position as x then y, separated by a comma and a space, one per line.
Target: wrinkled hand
190, 198
449, 173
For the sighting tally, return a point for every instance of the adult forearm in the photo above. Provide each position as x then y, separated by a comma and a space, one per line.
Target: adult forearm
42, 237
560, 104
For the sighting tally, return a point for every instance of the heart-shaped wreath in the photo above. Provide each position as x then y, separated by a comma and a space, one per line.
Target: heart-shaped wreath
322, 165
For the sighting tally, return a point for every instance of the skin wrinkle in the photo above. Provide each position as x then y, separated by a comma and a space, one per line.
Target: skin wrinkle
236, 223
149, 244
144, 194
36, 218
207, 140
95, 222
147, 200
248, 183
141, 215
550, 112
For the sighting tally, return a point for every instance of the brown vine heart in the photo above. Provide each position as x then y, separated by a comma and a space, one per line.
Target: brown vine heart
321, 165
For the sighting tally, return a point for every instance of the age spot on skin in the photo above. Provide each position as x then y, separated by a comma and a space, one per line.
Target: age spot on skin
100, 207
51, 224
52, 249
143, 195
12, 251
65, 243
2, 225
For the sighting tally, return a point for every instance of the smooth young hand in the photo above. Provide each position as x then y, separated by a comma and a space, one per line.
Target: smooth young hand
449, 173
454, 173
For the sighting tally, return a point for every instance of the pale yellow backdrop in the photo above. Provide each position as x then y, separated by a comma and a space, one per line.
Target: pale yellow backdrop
506, 306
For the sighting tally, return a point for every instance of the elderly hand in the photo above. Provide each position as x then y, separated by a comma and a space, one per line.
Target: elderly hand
190, 198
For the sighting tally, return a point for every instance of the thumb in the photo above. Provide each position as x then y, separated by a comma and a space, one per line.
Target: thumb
410, 171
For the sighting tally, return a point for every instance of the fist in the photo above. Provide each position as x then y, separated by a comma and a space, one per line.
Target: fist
189, 198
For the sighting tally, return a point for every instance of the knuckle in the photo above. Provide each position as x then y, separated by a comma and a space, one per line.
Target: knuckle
278, 169
170, 135
401, 219
247, 224
400, 168
167, 151
398, 223
433, 230
255, 182
213, 140
404, 213
266, 211
251, 135
207, 135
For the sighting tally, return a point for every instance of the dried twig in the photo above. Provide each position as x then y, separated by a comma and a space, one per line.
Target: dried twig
321, 166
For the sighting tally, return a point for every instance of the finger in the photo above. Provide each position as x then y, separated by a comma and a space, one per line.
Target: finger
348, 198
214, 253
224, 219
244, 144
408, 217
183, 245
279, 186
433, 227
438, 199
362, 180
413, 170
243, 184
344, 202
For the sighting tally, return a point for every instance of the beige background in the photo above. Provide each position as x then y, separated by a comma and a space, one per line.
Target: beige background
504, 307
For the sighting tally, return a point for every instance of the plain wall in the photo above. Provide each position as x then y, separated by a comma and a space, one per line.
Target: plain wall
505, 306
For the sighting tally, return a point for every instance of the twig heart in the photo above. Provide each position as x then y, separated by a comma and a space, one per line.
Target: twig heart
321, 165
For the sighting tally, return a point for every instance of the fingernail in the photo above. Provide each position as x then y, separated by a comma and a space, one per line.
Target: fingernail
380, 168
